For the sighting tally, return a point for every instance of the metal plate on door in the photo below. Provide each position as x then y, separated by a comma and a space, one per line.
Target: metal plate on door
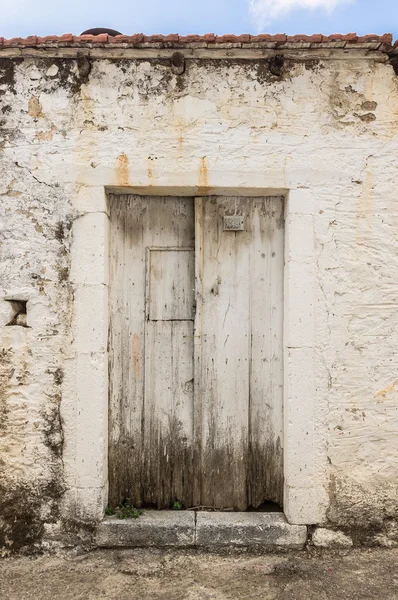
234, 223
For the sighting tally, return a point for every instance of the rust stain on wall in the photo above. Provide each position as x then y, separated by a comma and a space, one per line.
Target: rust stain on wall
122, 169
46, 136
385, 391
181, 127
203, 175
150, 170
35, 108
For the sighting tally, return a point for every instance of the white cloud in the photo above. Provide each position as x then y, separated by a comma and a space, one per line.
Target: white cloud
266, 11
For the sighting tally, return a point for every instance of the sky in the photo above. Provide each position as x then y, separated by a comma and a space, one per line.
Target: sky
20, 18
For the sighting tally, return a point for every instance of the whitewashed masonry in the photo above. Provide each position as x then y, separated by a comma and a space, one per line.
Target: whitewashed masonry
81, 121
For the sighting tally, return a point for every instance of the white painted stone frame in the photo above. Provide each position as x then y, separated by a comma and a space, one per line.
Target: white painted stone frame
305, 498
85, 393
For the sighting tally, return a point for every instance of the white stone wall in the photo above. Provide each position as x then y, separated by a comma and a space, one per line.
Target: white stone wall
326, 134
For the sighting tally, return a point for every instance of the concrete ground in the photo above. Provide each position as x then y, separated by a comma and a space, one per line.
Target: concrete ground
191, 575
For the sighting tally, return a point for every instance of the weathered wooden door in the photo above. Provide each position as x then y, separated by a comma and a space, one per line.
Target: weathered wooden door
151, 349
196, 351
238, 351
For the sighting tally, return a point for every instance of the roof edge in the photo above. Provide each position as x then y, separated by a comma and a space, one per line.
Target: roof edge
383, 42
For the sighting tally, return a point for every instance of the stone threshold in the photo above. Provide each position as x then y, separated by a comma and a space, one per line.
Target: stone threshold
201, 529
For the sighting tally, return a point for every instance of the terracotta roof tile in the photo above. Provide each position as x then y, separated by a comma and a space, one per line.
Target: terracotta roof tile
29, 41
136, 38
207, 40
338, 37
172, 37
154, 38
228, 38
101, 39
314, 39
186, 39
265, 37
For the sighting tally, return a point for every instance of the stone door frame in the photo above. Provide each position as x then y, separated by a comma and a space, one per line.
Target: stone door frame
85, 388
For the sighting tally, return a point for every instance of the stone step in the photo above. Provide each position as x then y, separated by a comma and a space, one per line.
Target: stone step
248, 529
201, 529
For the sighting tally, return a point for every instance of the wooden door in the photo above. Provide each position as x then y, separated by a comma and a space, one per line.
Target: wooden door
238, 352
195, 395
151, 350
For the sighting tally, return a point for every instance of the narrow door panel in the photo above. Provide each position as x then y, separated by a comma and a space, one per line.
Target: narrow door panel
168, 413
151, 350
170, 289
265, 476
168, 404
238, 351
222, 380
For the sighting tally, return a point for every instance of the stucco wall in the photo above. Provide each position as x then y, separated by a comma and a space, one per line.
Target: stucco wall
325, 133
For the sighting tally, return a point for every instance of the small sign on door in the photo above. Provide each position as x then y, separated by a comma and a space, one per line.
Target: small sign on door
234, 223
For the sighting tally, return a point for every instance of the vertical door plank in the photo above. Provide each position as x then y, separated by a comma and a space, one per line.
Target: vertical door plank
168, 413
265, 477
223, 356
126, 346
199, 405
